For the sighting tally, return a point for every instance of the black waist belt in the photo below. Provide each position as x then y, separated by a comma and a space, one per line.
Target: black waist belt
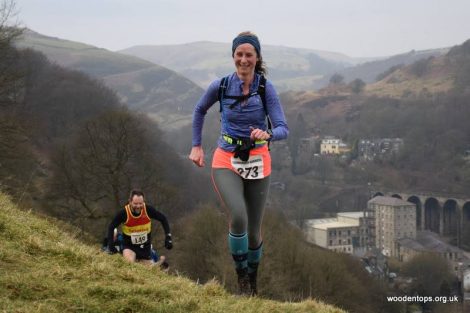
243, 146
235, 141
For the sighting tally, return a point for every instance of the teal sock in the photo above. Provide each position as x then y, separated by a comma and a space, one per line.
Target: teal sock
238, 245
254, 257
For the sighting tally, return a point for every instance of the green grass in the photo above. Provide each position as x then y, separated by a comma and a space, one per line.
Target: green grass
47, 269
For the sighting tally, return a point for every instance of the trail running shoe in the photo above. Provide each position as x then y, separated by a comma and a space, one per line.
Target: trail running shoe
253, 288
243, 281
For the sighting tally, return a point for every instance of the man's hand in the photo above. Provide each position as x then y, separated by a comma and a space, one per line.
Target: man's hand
110, 250
168, 242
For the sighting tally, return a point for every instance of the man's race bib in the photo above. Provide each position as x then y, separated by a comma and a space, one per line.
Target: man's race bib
139, 238
251, 169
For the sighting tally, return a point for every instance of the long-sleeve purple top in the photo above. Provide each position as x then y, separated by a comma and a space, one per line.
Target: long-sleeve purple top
236, 122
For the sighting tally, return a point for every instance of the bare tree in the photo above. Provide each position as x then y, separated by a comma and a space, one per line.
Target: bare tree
10, 78
9, 29
16, 157
111, 154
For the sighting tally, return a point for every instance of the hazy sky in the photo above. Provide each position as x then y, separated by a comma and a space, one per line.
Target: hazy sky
357, 28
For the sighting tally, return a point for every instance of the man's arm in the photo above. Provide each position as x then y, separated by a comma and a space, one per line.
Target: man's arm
154, 214
117, 220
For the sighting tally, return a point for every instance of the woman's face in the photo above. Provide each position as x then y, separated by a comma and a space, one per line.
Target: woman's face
245, 59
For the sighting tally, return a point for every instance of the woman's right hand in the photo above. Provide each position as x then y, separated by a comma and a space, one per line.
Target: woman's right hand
197, 156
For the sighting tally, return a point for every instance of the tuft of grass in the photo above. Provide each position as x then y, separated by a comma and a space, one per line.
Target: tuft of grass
43, 268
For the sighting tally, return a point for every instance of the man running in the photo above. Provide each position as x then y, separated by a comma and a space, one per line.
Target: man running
137, 229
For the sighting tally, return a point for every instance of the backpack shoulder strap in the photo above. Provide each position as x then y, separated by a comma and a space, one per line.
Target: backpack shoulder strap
262, 94
222, 89
262, 91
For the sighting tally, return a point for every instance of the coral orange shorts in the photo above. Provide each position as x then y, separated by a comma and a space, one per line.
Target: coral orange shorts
258, 165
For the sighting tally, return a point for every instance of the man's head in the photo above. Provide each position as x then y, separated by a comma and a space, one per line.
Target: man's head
136, 200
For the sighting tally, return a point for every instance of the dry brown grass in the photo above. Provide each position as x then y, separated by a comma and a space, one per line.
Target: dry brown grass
46, 269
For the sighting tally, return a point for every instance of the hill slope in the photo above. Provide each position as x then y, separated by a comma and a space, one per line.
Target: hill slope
369, 71
429, 75
46, 269
92, 60
142, 85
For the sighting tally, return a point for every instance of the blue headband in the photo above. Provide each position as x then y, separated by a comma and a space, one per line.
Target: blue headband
252, 40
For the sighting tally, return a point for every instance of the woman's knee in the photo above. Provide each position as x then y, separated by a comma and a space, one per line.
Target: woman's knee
238, 225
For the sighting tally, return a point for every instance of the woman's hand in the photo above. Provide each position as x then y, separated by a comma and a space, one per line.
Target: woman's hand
259, 134
197, 156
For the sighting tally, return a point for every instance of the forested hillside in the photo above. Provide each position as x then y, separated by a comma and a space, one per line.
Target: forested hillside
71, 146
431, 121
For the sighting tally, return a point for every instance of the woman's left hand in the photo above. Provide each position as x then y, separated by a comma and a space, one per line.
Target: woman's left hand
259, 134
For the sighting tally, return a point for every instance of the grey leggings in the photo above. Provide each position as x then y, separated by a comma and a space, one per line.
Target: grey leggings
245, 200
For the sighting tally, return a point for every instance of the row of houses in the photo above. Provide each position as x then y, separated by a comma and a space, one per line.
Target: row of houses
379, 148
311, 147
367, 149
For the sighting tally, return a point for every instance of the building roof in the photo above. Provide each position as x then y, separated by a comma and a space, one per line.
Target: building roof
320, 221
389, 201
427, 241
336, 224
352, 214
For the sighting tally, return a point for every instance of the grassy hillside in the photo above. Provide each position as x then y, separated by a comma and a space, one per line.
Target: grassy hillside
430, 75
44, 268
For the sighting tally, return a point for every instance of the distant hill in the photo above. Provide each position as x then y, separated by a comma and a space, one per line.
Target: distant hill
44, 266
405, 75
369, 71
289, 68
432, 74
142, 85
94, 61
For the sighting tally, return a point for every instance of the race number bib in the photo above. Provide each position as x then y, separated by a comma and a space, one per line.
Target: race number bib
251, 169
139, 238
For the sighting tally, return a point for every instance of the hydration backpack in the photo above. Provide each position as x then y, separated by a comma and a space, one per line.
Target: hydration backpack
261, 92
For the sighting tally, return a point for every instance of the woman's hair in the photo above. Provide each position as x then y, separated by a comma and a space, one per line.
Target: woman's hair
260, 66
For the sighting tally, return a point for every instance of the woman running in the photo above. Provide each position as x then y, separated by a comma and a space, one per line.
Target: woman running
241, 164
